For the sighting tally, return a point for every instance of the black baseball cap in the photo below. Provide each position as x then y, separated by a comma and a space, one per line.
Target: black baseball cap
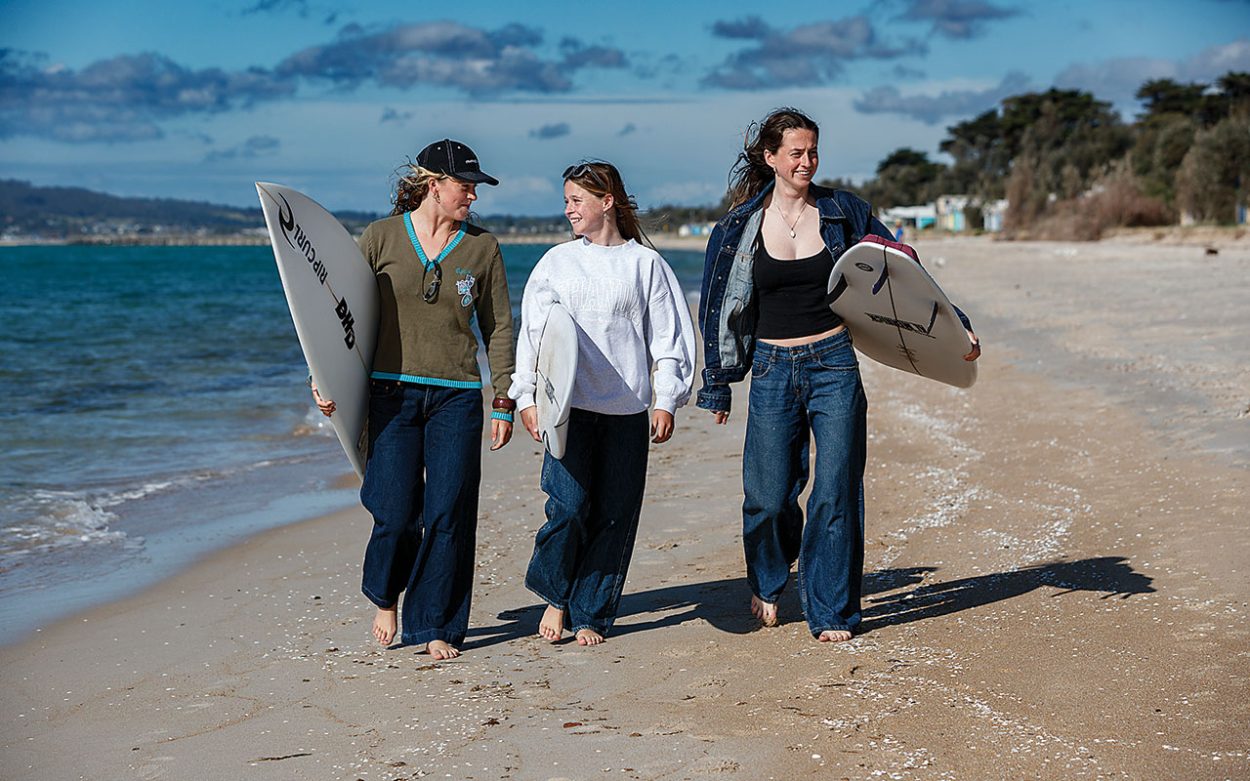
454, 159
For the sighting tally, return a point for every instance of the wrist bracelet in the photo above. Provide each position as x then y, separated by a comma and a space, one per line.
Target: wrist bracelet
501, 415
503, 403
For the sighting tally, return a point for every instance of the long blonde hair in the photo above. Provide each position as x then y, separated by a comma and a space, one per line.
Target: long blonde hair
601, 178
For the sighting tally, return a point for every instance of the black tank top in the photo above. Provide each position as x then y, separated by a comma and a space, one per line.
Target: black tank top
792, 295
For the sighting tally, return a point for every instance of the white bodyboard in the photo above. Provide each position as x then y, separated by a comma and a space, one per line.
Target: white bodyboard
557, 369
899, 316
333, 297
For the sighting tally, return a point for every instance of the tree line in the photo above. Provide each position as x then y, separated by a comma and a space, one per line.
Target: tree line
1067, 162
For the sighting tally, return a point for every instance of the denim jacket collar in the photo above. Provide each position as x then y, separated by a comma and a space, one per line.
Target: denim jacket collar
826, 204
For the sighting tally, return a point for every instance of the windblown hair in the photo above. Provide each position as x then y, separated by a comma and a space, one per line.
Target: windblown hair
750, 174
413, 186
601, 178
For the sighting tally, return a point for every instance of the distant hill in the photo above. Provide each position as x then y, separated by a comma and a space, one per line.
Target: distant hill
72, 212
75, 213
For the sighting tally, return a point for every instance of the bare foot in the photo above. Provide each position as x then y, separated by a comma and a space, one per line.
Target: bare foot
588, 637
551, 626
384, 625
834, 636
441, 650
766, 612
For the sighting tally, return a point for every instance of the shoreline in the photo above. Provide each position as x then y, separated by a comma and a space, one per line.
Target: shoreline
1207, 235
661, 241
1042, 568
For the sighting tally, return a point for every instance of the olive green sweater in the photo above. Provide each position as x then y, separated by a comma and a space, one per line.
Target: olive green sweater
433, 343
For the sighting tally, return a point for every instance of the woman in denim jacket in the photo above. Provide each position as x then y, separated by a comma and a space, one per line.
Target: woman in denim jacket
764, 307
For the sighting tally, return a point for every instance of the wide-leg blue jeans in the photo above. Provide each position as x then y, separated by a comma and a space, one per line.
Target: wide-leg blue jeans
582, 553
421, 485
798, 392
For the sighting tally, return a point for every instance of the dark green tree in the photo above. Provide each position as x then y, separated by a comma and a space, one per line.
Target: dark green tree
1215, 175
905, 177
982, 160
1162, 98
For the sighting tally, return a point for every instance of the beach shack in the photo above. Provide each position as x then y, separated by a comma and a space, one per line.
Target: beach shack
915, 217
950, 212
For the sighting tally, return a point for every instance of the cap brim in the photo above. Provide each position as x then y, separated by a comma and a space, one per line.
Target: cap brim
476, 177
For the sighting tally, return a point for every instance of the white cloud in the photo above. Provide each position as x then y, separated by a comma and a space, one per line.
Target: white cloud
1118, 80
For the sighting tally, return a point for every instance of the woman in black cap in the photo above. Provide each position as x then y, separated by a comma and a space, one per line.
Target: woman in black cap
436, 275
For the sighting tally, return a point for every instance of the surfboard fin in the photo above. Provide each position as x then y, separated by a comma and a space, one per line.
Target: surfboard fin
885, 273
838, 289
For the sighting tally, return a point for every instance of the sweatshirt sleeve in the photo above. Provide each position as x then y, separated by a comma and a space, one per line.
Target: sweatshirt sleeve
494, 315
670, 339
535, 303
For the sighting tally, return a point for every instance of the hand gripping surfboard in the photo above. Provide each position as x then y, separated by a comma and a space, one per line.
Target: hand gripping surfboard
897, 313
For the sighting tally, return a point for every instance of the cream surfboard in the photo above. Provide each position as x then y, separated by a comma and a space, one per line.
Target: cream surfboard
898, 315
557, 369
333, 297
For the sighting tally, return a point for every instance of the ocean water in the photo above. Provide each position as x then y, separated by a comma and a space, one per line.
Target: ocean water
155, 411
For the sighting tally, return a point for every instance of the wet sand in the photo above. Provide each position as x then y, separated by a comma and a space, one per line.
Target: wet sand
1056, 587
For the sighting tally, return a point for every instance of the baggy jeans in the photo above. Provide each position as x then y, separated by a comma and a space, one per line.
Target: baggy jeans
581, 554
421, 485
798, 392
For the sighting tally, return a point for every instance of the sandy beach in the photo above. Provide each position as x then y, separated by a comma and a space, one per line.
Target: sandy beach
1057, 585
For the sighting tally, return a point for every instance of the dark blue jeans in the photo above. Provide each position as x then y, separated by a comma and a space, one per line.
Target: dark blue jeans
582, 552
797, 392
421, 485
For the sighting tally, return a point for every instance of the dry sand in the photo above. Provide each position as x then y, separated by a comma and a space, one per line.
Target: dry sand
1056, 588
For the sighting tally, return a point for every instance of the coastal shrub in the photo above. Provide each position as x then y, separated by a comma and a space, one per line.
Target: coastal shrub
1117, 200
1215, 175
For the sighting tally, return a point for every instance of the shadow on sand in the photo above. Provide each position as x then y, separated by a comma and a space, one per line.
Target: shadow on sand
909, 594
1110, 575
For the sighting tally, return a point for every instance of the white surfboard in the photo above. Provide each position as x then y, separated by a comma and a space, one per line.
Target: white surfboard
557, 369
333, 297
898, 315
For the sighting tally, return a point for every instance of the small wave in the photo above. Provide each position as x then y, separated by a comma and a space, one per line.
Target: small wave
45, 519
57, 520
314, 424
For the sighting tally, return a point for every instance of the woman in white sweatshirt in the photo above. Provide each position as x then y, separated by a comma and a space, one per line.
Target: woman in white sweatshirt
635, 348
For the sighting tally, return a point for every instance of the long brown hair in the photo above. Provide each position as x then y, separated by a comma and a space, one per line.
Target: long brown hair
412, 187
601, 178
750, 174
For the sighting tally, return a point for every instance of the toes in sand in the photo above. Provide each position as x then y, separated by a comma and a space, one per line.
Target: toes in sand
766, 612
834, 636
385, 625
551, 626
588, 637
440, 650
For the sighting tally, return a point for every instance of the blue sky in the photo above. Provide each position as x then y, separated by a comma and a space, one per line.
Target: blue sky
182, 100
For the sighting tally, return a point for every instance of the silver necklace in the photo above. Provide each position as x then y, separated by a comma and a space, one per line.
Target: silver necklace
790, 225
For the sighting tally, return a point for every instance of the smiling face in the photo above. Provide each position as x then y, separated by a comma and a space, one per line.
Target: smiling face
796, 158
586, 212
455, 197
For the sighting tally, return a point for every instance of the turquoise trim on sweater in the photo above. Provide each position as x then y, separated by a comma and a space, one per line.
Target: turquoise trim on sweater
417, 380
412, 236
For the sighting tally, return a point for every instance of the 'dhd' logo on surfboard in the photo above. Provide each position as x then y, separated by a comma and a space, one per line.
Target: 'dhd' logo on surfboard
295, 236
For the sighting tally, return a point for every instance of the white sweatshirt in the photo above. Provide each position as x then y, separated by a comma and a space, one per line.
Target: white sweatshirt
630, 314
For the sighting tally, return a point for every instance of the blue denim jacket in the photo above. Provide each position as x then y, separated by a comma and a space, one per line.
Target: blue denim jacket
727, 305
